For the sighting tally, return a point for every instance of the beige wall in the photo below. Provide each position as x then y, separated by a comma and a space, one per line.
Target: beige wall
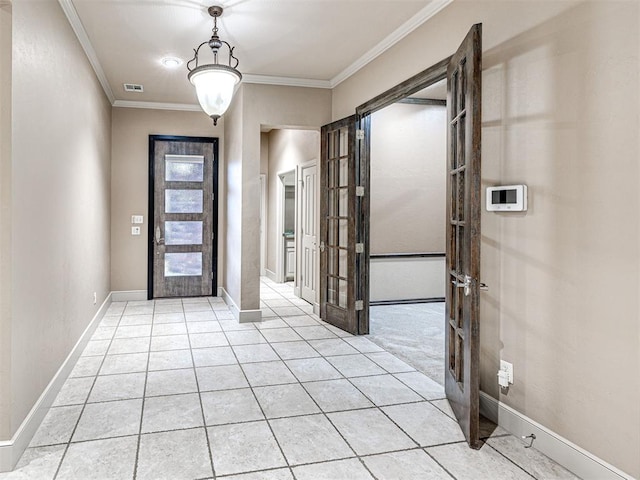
408, 179
130, 185
233, 142
254, 106
288, 149
264, 153
61, 149
5, 220
560, 98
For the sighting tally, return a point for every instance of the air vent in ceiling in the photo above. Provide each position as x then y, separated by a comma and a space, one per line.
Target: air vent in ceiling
132, 87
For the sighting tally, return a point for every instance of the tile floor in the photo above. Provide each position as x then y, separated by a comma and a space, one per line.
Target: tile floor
176, 389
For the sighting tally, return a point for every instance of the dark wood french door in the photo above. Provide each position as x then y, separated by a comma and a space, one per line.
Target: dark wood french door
462, 312
183, 216
338, 208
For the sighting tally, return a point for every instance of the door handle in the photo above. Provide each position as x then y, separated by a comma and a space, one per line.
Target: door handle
322, 246
466, 285
159, 239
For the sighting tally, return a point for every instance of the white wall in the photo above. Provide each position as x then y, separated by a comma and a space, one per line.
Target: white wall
560, 98
408, 201
61, 149
5, 220
408, 179
288, 149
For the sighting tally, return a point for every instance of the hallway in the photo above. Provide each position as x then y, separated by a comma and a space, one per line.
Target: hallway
178, 389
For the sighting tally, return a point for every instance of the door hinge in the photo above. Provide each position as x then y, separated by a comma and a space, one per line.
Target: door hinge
359, 305
359, 247
359, 191
359, 134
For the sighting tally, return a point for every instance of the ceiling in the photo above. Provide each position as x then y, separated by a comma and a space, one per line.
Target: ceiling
315, 43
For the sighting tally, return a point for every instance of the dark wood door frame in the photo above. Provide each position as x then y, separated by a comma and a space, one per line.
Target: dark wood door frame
344, 316
151, 203
467, 418
418, 82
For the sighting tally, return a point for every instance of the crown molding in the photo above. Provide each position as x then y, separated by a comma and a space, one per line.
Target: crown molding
183, 107
285, 81
405, 29
83, 38
414, 22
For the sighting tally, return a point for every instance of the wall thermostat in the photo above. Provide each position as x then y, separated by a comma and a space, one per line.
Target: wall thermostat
508, 198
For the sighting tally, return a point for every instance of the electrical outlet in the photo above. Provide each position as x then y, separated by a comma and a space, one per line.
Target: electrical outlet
95, 298
508, 368
135, 230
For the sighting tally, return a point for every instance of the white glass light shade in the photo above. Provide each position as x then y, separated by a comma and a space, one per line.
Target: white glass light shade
214, 87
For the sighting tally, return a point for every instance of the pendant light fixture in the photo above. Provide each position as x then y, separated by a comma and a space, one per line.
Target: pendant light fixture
214, 82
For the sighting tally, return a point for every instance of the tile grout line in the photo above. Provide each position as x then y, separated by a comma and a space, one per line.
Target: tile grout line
144, 394
321, 410
84, 405
438, 463
204, 419
510, 460
374, 405
297, 381
266, 420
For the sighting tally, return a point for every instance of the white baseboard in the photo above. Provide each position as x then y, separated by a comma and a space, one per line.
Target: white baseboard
270, 275
571, 456
243, 316
12, 450
129, 296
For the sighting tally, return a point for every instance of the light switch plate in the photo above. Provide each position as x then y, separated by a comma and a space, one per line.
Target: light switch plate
137, 219
135, 230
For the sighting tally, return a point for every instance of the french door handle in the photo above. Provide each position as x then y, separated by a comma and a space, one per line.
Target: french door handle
322, 246
466, 285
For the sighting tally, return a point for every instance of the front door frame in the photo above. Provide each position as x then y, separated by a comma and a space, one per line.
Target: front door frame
151, 204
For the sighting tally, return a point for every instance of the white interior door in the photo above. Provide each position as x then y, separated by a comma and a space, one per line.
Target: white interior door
308, 278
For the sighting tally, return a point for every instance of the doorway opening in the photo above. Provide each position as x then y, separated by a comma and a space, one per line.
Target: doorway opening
407, 228
286, 243
290, 210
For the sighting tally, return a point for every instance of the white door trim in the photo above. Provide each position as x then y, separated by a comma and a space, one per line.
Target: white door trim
263, 223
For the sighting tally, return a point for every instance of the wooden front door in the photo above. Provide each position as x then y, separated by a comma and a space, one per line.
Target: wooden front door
462, 328
183, 213
338, 225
